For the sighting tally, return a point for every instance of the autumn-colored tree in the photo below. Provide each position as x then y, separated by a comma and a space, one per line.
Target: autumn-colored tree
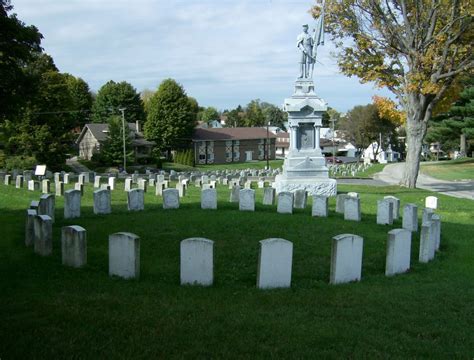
417, 49
388, 110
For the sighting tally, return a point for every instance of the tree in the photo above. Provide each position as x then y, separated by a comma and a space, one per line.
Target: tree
417, 49
453, 128
113, 96
18, 45
362, 126
274, 115
81, 99
330, 114
195, 108
111, 151
235, 117
170, 121
254, 115
209, 114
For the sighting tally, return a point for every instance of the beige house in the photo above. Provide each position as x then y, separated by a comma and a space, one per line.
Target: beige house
227, 145
93, 135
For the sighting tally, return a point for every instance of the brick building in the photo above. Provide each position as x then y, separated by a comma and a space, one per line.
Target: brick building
227, 145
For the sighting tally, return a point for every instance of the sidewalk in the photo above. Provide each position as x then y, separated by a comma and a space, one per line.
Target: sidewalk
76, 165
392, 174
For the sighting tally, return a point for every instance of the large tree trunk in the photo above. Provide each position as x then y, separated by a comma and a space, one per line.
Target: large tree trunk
418, 109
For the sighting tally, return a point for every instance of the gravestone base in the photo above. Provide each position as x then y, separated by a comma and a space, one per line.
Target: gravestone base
314, 186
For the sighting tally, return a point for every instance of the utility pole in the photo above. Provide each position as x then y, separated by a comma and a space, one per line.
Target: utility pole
122, 110
268, 145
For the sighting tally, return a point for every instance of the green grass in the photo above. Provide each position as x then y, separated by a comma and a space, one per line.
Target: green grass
50, 311
371, 171
460, 169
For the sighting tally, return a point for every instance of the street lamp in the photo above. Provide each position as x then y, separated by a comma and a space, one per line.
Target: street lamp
122, 110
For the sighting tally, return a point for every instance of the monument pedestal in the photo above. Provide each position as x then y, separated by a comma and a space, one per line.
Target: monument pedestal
305, 166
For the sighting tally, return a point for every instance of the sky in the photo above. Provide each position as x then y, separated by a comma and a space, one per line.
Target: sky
223, 52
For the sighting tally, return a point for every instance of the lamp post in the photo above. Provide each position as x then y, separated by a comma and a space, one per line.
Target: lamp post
122, 110
268, 145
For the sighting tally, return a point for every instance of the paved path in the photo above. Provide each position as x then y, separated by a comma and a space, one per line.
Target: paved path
392, 174
76, 165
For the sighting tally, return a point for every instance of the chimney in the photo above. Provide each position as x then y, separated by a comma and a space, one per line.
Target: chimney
137, 125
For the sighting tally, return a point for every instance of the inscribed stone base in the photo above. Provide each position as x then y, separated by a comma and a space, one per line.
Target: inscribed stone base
314, 186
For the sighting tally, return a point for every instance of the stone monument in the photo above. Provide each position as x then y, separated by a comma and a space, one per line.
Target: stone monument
305, 166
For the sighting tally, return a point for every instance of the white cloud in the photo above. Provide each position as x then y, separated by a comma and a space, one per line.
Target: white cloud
223, 52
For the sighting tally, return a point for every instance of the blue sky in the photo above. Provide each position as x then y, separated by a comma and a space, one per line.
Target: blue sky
224, 52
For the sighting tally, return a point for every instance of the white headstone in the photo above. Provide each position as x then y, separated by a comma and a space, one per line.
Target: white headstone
45, 186
197, 261
43, 230
30, 227
47, 206
128, 184
31, 185
396, 206
436, 220
142, 184
427, 242
247, 200
285, 202
8, 179
72, 204
79, 187
346, 258
268, 196
59, 188
181, 189
74, 246
274, 263
136, 200
299, 199
320, 206
398, 251
352, 209
124, 255
170, 199
431, 202
112, 181
235, 193
102, 203
209, 199
384, 212
97, 179
66, 178
159, 188
410, 217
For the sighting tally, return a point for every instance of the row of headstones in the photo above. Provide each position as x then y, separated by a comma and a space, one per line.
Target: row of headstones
197, 254
347, 169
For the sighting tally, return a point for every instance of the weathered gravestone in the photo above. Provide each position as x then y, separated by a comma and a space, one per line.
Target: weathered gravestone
346, 258
268, 196
170, 199
427, 215
45, 186
142, 184
181, 189
410, 217
340, 198
43, 230
247, 200
8, 179
136, 200
79, 187
159, 188
30, 227
320, 206
47, 206
398, 252
275, 263
102, 203
396, 206
299, 199
285, 202
97, 179
124, 255
34, 205
74, 246
128, 184
235, 193
209, 199
384, 212
352, 209
72, 204
436, 220
19, 181
427, 244
197, 261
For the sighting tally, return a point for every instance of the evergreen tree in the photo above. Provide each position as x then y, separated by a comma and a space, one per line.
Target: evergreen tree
113, 96
170, 121
112, 147
459, 120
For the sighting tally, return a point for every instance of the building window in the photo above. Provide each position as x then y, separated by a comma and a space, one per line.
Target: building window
202, 157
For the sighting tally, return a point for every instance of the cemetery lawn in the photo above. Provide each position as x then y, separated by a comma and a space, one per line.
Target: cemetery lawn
452, 170
50, 311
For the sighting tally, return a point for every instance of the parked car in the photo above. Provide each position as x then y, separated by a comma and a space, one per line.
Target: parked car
329, 160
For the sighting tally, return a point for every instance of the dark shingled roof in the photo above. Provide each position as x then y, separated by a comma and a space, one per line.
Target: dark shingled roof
99, 131
238, 133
